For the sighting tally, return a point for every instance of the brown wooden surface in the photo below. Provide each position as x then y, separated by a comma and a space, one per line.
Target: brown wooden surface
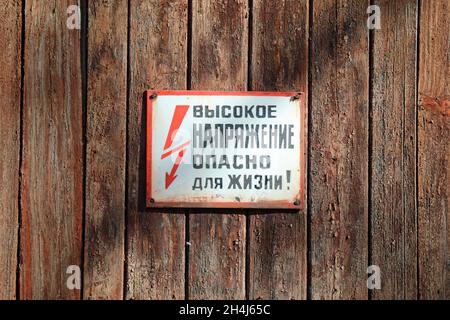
10, 79
219, 62
393, 152
277, 241
339, 150
434, 150
378, 149
52, 171
158, 60
106, 144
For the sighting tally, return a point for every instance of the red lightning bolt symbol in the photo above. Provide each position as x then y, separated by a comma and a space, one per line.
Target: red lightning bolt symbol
177, 120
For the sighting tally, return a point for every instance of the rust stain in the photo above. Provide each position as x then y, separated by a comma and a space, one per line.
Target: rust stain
436, 105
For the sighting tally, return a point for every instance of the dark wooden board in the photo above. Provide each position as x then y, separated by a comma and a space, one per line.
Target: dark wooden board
393, 195
156, 239
434, 151
106, 148
339, 150
279, 62
219, 62
52, 171
10, 82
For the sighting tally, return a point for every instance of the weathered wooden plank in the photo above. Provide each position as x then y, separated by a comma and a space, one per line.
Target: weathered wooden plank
156, 240
219, 62
277, 240
106, 144
339, 150
434, 151
217, 256
52, 174
10, 82
393, 194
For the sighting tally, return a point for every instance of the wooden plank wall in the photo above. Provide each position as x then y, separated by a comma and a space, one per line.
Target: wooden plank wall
393, 151
279, 62
51, 190
10, 91
72, 186
218, 62
158, 59
106, 149
339, 150
434, 151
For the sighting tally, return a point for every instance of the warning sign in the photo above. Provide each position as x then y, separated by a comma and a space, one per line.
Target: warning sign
226, 149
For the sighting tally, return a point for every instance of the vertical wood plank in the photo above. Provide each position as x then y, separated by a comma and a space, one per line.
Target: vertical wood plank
219, 62
277, 240
393, 200
339, 150
434, 151
52, 169
106, 144
158, 60
10, 82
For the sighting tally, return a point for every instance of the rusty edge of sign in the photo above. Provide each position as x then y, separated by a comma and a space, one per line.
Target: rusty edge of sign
298, 203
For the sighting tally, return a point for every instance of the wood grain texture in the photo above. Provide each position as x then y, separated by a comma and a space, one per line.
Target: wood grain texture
409, 153
106, 145
10, 82
393, 194
339, 150
434, 151
277, 243
156, 240
219, 45
52, 169
217, 256
219, 62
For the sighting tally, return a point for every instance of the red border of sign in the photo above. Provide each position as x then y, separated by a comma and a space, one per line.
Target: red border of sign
298, 203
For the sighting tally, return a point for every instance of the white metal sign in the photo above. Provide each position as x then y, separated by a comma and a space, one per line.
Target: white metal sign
226, 149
